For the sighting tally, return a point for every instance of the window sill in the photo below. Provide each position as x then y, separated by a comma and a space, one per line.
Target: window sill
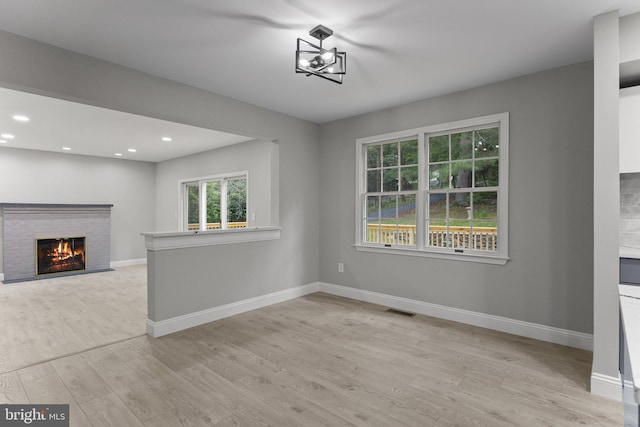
468, 257
159, 241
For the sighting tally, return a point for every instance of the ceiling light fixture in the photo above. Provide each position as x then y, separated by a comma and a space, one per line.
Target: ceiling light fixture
132, 150
66, 148
20, 118
167, 139
118, 154
7, 136
315, 60
2, 141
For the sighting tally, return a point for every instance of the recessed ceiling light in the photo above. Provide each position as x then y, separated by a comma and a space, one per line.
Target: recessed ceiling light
20, 118
66, 148
132, 150
7, 136
167, 139
118, 154
2, 141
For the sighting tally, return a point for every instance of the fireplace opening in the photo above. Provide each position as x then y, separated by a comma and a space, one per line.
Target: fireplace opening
60, 255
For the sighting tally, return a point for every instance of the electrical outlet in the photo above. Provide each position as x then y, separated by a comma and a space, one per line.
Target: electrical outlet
340, 267
253, 216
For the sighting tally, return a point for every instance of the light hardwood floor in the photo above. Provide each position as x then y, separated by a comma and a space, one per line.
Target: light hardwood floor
321, 360
46, 319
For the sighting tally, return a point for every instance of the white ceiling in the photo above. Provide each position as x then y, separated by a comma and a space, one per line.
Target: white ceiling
89, 130
398, 51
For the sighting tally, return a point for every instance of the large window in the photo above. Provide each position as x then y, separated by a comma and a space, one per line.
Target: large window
436, 191
218, 202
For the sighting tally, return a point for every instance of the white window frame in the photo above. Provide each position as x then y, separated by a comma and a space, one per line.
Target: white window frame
500, 257
202, 181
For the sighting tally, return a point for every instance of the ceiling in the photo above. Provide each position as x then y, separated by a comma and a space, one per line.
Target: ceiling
398, 51
69, 127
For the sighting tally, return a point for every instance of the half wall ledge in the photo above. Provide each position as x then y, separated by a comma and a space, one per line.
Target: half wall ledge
160, 241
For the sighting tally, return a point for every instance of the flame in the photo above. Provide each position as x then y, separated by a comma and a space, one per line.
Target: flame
64, 251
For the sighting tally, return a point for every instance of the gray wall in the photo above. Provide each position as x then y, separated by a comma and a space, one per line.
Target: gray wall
253, 156
292, 260
27, 177
549, 277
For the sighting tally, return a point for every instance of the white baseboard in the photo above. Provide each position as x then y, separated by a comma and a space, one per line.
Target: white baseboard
503, 324
606, 386
128, 262
175, 324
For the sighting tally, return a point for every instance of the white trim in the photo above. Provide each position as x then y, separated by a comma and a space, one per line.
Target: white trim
502, 324
160, 241
1, 277
128, 262
501, 257
398, 250
606, 386
175, 324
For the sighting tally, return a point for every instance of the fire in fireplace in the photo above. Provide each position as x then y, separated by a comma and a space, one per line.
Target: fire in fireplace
60, 255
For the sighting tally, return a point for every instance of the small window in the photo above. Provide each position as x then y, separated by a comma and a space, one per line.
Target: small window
214, 203
437, 191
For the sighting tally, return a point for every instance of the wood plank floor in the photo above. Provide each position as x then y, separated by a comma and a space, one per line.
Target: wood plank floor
321, 360
46, 319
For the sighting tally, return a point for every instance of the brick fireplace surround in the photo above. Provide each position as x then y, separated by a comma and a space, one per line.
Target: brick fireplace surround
24, 223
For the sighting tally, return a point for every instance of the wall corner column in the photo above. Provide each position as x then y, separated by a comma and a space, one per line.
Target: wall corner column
605, 377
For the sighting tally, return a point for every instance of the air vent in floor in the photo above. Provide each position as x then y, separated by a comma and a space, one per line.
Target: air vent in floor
400, 312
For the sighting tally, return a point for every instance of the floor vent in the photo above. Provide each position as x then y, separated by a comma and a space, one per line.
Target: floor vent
402, 313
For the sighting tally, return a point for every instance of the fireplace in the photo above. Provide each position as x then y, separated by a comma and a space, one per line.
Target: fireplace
60, 255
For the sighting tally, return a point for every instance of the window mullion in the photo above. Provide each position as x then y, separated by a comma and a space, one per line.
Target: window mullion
223, 204
423, 165
203, 205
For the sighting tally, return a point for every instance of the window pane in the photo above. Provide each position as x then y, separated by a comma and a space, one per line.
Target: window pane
461, 174
409, 178
373, 218
193, 206
437, 208
486, 173
485, 207
373, 156
373, 181
437, 234
461, 145
388, 207
213, 205
373, 207
487, 142
485, 237
409, 152
439, 149
237, 203
373, 231
460, 206
406, 220
390, 179
390, 154
407, 209
459, 234
438, 176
